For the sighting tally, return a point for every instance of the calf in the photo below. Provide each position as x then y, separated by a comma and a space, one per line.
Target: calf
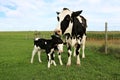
49, 45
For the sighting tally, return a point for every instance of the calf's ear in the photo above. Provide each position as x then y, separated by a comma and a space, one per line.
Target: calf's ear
53, 36
77, 13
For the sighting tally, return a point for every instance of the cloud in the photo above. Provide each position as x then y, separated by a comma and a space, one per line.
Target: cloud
41, 14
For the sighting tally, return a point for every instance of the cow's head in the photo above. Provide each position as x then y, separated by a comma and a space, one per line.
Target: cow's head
65, 20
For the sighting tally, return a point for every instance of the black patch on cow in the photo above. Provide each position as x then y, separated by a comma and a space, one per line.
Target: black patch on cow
77, 13
67, 35
65, 23
52, 56
44, 44
77, 49
78, 28
58, 18
65, 9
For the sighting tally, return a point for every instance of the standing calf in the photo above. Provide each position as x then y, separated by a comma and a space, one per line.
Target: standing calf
49, 45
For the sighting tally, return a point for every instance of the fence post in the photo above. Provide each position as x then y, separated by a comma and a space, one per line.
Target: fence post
106, 37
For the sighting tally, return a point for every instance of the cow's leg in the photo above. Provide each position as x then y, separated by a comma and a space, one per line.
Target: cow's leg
49, 52
49, 60
83, 46
69, 55
77, 54
33, 53
74, 54
59, 57
39, 56
52, 59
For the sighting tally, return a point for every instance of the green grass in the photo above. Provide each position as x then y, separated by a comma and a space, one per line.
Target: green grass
15, 55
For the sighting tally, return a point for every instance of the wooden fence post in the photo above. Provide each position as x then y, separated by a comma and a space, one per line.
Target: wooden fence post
106, 37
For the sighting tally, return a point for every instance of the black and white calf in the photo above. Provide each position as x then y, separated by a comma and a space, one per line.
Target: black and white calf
73, 26
49, 45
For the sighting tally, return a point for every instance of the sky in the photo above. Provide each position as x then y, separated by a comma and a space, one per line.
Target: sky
40, 15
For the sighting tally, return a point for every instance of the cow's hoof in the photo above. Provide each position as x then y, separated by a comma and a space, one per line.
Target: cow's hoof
40, 61
68, 65
78, 64
83, 56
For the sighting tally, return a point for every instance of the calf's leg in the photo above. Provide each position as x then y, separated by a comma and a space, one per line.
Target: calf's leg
59, 57
35, 50
39, 56
52, 59
49, 52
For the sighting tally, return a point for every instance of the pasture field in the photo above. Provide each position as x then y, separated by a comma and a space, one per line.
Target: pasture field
15, 55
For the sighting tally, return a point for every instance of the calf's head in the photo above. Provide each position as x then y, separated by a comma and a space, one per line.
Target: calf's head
65, 20
58, 42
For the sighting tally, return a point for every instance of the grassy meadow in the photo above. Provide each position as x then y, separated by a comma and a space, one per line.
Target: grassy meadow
15, 55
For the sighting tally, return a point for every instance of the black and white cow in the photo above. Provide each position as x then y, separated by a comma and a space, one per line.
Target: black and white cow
73, 26
49, 45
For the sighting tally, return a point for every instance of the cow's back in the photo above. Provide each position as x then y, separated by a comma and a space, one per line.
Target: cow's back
43, 43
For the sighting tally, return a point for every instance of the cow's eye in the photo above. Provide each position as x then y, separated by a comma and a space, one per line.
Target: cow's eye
58, 18
67, 18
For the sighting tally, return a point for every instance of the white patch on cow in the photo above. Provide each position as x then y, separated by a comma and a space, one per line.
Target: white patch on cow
78, 60
37, 47
69, 58
36, 39
60, 48
49, 60
45, 42
64, 13
78, 41
74, 53
59, 57
53, 62
51, 50
80, 19
83, 45
72, 41
62, 16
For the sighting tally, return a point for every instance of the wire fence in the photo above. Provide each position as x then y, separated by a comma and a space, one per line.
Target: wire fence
108, 39
115, 37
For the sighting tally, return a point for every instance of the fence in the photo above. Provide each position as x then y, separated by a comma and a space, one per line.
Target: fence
108, 39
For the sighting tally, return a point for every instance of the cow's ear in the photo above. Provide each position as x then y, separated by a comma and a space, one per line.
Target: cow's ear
53, 36
77, 13
58, 13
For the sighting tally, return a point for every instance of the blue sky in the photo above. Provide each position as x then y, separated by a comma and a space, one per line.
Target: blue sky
40, 15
